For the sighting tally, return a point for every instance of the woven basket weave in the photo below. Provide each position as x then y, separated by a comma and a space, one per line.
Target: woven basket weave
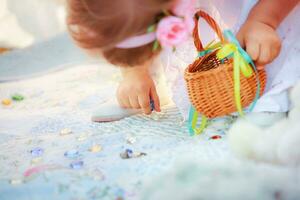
210, 83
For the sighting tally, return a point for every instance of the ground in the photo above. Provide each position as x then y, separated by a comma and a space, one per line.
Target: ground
66, 99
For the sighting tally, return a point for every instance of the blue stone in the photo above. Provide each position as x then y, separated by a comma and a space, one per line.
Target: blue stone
36, 152
76, 164
152, 105
71, 154
129, 153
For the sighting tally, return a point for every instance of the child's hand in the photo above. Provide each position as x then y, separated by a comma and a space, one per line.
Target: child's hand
135, 90
261, 41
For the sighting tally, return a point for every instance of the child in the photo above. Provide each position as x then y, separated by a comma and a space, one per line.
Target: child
117, 30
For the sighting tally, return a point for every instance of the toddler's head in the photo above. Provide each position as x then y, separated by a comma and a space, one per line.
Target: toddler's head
99, 25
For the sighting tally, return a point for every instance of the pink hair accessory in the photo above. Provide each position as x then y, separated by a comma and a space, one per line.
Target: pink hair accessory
170, 32
137, 41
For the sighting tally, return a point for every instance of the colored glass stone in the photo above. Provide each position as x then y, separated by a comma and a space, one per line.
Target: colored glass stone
65, 131
37, 152
16, 181
216, 137
76, 164
82, 137
131, 140
6, 102
17, 97
130, 154
96, 148
71, 154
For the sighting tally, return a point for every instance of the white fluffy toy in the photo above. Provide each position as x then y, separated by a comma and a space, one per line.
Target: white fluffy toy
277, 144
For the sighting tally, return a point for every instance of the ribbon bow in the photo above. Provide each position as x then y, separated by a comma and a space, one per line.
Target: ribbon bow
212, 46
242, 62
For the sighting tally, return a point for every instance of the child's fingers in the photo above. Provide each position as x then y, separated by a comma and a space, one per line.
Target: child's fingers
253, 49
264, 55
126, 102
134, 103
144, 101
275, 50
155, 98
260, 67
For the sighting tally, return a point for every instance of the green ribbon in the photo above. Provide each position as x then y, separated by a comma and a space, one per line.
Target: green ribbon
193, 118
212, 46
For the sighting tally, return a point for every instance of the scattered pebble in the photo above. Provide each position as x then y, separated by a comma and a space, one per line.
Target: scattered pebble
82, 137
130, 154
96, 148
36, 160
76, 164
6, 102
127, 154
16, 181
130, 140
139, 154
215, 137
65, 131
36, 152
71, 154
17, 97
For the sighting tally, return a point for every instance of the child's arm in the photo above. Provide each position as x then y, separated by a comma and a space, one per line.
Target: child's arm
136, 88
258, 34
272, 12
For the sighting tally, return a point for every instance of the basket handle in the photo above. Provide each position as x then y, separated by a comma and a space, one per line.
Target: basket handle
213, 24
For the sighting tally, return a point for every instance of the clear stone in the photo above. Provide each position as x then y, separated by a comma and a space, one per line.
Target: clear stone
76, 165
16, 181
71, 154
131, 140
65, 131
37, 152
82, 137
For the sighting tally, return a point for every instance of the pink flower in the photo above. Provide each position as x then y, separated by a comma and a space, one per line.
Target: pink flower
185, 8
172, 31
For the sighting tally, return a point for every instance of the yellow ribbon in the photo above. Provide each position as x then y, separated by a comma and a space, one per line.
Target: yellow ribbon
239, 65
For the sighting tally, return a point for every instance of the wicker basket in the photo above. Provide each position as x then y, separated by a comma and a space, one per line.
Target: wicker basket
210, 83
